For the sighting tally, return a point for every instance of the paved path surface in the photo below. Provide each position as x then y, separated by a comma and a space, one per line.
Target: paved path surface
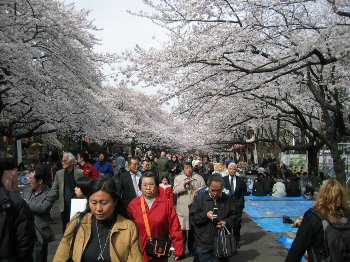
256, 244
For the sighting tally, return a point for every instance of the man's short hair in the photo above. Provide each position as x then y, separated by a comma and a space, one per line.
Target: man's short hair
186, 164
84, 156
40, 174
215, 178
6, 164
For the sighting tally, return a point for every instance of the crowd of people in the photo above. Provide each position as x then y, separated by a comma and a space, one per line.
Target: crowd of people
136, 209
285, 184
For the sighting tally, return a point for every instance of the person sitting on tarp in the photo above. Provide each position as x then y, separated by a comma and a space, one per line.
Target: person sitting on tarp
279, 189
292, 188
268, 182
309, 191
258, 187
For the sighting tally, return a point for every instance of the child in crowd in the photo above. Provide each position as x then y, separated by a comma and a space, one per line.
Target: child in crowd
166, 190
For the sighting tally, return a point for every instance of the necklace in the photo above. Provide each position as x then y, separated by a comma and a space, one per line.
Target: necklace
100, 257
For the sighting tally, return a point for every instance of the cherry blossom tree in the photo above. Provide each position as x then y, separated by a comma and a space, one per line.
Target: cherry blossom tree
48, 69
264, 63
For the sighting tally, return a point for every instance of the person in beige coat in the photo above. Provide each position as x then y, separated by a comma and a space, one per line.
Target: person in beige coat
105, 232
186, 186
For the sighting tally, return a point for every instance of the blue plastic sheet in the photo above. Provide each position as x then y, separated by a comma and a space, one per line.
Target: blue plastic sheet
271, 198
274, 225
265, 209
287, 243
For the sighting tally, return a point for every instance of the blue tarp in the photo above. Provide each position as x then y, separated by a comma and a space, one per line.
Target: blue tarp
274, 225
271, 198
264, 209
287, 243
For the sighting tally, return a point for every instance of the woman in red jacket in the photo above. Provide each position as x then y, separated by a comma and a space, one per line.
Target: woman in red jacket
161, 216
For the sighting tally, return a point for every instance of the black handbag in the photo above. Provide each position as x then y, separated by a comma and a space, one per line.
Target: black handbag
225, 244
158, 246
155, 246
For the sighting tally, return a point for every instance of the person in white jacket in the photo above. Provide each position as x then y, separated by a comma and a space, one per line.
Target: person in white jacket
279, 189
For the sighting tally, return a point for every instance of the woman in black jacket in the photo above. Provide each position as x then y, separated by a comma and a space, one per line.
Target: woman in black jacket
332, 204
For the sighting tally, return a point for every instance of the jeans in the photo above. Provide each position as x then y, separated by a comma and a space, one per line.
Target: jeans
208, 255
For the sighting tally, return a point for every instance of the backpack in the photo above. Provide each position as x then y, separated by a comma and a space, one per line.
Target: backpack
336, 240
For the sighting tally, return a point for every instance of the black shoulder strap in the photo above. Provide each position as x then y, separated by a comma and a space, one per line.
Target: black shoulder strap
75, 230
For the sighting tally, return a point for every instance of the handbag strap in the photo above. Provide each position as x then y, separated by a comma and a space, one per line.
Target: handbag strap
75, 230
145, 218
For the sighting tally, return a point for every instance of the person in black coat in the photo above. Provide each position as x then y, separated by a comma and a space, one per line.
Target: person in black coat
17, 230
292, 188
127, 185
268, 183
332, 204
237, 189
210, 211
258, 187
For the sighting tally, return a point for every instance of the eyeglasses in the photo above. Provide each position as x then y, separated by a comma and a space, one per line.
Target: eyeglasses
148, 185
64, 161
215, 190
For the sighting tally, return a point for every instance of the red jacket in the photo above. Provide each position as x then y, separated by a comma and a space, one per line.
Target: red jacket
90, 170
163, 221
166, 192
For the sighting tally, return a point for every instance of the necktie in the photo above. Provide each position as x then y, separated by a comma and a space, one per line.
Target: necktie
232, 184
134, 182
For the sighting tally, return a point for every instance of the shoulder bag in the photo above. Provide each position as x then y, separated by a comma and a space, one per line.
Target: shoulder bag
156, 246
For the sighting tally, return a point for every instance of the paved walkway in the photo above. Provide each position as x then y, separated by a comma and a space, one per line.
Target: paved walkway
256, 244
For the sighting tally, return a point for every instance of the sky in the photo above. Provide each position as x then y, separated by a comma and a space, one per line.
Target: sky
121, 30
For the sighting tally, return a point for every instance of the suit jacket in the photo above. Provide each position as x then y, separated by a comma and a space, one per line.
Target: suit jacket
58, 185
240, 191
125, 188
41, 208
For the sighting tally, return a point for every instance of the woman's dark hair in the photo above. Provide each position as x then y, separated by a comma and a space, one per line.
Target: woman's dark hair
149, 174
85, 185
107, 184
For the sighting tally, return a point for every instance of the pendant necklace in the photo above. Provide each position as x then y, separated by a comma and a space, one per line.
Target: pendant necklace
100, 257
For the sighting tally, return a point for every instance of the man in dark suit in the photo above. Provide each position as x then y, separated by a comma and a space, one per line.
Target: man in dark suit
127, 185
236, 190
40, 199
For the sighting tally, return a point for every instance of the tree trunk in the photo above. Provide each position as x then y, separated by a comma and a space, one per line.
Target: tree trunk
338, 165
312, 161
